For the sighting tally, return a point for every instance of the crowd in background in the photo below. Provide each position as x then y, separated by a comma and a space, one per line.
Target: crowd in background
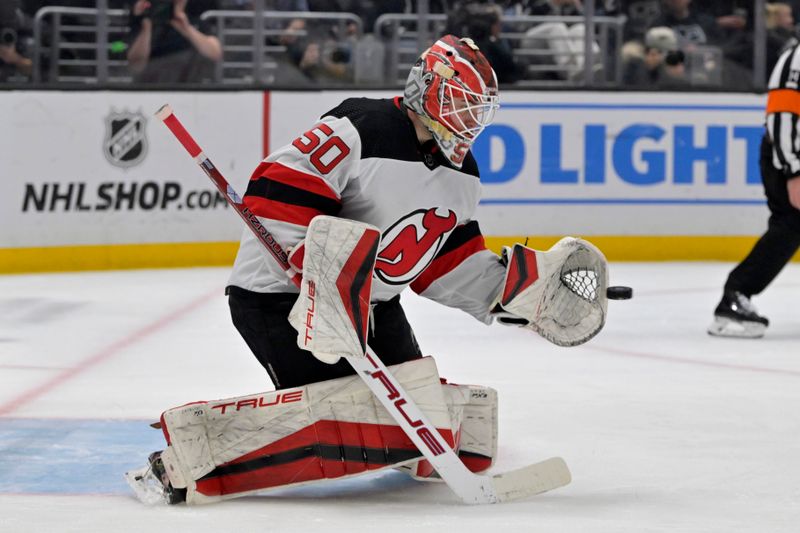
665, 44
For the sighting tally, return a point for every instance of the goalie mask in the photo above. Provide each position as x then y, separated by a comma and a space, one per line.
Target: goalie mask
453, 90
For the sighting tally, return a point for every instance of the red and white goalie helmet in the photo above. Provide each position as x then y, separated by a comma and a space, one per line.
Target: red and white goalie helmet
453, 89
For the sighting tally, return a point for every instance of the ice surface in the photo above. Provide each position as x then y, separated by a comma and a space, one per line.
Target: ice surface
664, 427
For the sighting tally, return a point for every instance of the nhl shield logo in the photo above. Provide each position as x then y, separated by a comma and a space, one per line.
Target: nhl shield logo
125, 144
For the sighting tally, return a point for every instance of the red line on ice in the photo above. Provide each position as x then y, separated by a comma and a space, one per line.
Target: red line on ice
104, 354
696, 362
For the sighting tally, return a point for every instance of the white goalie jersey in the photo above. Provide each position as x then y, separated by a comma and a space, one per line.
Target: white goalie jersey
362, 161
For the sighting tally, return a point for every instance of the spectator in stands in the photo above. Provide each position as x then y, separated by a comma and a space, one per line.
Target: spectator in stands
563, 40
321, 59
692, 27
170, 44
640, 14
732, 16
553, 7
779, 17
673, 77
318, 49
780, 32
292, 27
434, 6
642, 63
481, 22
368, 10
719, 46
736, 30
12, 61
647, 67
281, 34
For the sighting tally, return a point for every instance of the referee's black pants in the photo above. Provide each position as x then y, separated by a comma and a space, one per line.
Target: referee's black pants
777, 246
263, 321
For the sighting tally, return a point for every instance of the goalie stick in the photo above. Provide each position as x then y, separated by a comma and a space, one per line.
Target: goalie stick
469, 487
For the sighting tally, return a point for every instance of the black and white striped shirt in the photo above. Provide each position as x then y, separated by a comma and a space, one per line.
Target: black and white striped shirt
783, 110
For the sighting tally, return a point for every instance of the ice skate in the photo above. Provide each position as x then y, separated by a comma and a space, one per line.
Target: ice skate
151, 483
735, 316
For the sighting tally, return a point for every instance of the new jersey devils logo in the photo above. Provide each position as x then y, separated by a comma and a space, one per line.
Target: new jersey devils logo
410, 245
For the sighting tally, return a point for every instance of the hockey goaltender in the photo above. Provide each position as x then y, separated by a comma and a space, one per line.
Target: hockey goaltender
377, 196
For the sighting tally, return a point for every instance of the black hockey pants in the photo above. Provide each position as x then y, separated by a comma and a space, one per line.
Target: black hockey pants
263, 322
777, 246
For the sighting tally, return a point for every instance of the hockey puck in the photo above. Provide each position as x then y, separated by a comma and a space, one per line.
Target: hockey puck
619, 292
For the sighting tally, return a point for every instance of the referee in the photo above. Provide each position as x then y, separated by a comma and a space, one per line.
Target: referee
735, 315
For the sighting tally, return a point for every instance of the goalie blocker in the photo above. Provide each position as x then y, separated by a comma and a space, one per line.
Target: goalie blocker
328, 430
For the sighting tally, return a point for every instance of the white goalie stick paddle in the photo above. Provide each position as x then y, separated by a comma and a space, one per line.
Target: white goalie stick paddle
470, 487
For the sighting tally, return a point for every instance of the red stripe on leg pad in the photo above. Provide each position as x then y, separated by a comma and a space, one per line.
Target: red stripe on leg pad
308, 468
476, 463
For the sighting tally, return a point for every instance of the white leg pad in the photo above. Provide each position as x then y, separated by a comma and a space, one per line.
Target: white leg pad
479, 427
473, 409
229, 448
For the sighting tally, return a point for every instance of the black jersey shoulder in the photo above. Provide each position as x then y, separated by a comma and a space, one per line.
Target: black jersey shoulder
384, 129
387, 132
